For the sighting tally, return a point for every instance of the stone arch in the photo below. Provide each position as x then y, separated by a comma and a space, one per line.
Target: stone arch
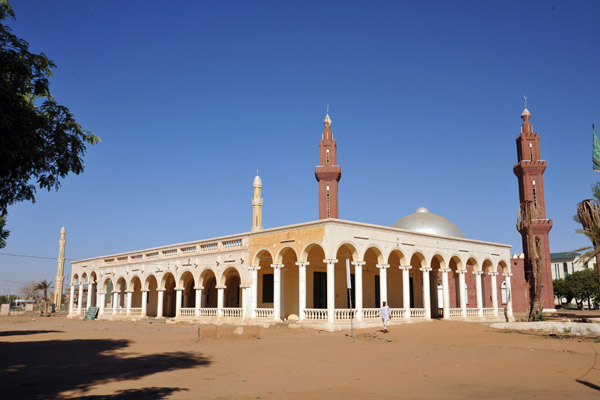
187, 282
351, 250
396, 258
316, 275
435, 286
346, 253
455, 264
472, 261
120, 288
371, 278
208, 281
151, 285
290, 292
374, 249
471, 280
488, 266
75, 279
232, 280
504, 267
107, 288
283, 252
261, 255
304, 254
135, 285
417, 261
168, 283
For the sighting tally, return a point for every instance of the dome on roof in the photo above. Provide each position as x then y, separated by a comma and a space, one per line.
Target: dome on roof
257, 181
427, 222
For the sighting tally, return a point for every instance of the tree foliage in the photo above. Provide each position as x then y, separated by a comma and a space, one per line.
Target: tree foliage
580, 285
3, 232
30, 291
588, 215
40, 140
44, 286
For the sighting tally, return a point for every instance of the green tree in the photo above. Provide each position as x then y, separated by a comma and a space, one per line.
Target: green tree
3, 232
583, 286
562, 290
40, 140
44, 286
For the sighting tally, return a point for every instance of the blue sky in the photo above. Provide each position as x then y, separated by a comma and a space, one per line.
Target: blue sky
190, 98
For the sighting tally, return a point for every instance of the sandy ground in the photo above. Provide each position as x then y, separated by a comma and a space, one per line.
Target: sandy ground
59, 358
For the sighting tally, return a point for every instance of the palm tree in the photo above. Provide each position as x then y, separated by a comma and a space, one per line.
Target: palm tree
588, 214
44, 285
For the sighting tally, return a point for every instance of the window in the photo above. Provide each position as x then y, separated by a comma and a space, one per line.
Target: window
466, 294
267, 288
327, 157
328, 202
534, 198
565, 269
503, 290
530, 152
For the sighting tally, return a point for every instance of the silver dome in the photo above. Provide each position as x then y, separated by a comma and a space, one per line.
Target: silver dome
427, 222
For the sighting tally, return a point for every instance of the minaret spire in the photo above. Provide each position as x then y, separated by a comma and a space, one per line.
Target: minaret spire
257, 203
529, 171
328, 173
60, 270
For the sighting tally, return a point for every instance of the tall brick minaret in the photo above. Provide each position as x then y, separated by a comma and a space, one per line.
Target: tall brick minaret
529, 171
328, 173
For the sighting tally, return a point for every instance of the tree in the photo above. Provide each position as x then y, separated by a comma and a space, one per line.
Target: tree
44, 285
3, 232
583, 286
533, 261
588, 215
30, 291
40, 140
562, 290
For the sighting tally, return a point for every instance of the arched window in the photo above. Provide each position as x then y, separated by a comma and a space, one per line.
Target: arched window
328, 202
503, 292
530, 151
534, 198
440, 295
327, 157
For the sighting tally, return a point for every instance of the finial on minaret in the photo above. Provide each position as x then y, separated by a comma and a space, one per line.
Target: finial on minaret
327, 121
526, 114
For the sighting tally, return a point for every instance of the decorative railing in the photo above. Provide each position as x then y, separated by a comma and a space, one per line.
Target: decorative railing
456, 312
187, 312
136, 257
316, 313
232, 243
207, 312
232, 312
472, 312
417, 313
83, 311
398, 312
488, 311
107, 310
152, 255
209, 247
135, 311
172, 252
187, 250
369, 313
345, 313
264, 313
121, 311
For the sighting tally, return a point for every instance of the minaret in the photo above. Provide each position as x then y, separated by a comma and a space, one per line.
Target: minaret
60, 270
328, 173
529, 170
257, 203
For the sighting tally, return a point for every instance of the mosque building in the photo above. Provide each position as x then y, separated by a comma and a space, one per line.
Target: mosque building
422, 266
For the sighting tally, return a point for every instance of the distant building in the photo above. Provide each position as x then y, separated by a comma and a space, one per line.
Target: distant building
564, 264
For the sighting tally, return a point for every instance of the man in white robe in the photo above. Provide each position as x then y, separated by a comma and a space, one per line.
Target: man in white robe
386, 315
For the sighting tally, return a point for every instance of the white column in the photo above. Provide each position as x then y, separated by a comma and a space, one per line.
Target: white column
115, 300
220, 300
178, 298
100, 303
406, 290
160, 305
302, 288
461, 291
446, 292
80, 299
494, 292
478, 276
72, 299
198, 304
277, 290
254, 291
89, 296
144, 303
358, 290
509, 306
245, 310
426, 292
128, 297
383, 282
98, 300
330, 289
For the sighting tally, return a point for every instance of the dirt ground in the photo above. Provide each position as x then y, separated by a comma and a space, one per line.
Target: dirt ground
49, 358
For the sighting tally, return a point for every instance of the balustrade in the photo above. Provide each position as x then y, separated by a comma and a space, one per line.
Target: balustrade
472, 312
369, 313
316, 313
456, 312
187, 312
344, 313
136, 311
83, 311
232, 243
417, 313
397, 312
207, 312
107, 310
232, 312
488, 311
187, 250
264, 313
209, 247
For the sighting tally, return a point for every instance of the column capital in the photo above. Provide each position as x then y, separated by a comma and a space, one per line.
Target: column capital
426, 269
445, 270
358, 264
221, 287
179, 289
253, 268
277, 266
245, 286
491, 273
461, 271
330, 260
383, 266
161, 290
477, 272
145, 290
507, 274
199, 287
302, 263
128, 291
405, 267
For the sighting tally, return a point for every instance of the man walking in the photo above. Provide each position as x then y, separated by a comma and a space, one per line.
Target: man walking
386, 315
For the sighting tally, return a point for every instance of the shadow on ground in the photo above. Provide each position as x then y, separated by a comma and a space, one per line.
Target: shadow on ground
44, 369
19, 333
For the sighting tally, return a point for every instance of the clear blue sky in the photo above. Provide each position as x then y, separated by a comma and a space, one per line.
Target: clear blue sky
190, 98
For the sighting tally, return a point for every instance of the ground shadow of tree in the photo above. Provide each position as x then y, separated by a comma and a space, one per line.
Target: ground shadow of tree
19, 333
44, 369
